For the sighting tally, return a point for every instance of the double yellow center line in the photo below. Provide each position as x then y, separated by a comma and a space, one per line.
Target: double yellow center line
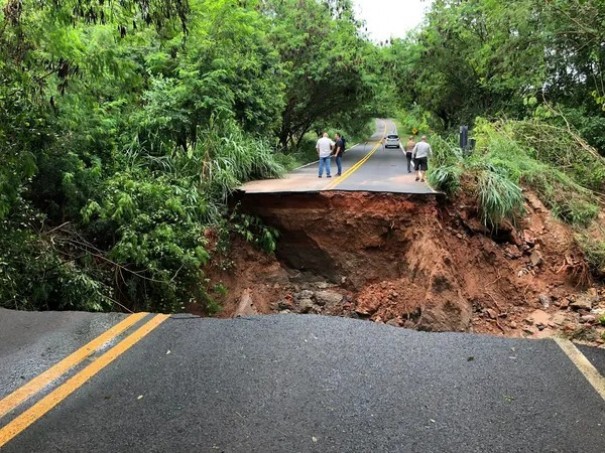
357, 165
40, 382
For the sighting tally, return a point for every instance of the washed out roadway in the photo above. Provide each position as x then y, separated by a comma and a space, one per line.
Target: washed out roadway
367, 167
304, 383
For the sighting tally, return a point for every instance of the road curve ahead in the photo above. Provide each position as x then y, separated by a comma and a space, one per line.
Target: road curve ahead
294, 383
367, 167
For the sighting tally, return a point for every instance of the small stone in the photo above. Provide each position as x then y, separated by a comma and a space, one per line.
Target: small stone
409, 324
588, 319
328, 297
541, 327
393, 322
583, 303
284, 305
512, 251
512, 325
459, 236
285, 312
492, 313
529, 238
529, 331
545, 300
529, 321
564, 304
322, 285
305, 294
536, 258
305, 306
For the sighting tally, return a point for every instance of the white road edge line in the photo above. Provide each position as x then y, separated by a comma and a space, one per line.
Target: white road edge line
583, 365
311, 163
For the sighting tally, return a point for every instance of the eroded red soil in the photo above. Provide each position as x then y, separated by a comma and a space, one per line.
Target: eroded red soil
414, 261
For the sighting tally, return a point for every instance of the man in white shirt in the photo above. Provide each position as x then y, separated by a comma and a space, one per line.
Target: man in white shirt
421, 153
324, 151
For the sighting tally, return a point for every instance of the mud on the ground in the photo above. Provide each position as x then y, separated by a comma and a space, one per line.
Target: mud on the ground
414, 261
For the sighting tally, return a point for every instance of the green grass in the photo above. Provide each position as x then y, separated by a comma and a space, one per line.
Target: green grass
495, 172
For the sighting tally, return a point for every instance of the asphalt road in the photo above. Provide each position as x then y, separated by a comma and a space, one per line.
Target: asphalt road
303, 383
367, 167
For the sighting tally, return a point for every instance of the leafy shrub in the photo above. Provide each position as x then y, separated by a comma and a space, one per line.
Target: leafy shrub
35, 273
495, 171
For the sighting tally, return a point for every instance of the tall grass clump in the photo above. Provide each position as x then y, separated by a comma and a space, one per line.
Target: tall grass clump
497, 169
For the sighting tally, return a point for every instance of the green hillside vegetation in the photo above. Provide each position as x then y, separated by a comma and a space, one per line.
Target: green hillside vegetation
125, 126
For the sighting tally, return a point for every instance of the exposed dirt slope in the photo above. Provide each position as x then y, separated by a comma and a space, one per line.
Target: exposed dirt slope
413, 261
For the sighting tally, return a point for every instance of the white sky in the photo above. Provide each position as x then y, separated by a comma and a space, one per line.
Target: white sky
386, 18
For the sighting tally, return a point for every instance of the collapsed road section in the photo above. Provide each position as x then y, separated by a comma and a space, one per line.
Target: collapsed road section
416, 261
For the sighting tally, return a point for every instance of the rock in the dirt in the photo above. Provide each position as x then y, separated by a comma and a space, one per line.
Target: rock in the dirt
408, 324
529, 238
588, 319
393, 322
305, 306
246, 305
545, 300
582, 303
304, 294
512, 325
512, 251
491, 313
285, 312
564, 304
323, 285
285, 304
536, 258
328, 297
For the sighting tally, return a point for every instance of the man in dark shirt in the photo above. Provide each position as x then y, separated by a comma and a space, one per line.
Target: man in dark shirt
339, 150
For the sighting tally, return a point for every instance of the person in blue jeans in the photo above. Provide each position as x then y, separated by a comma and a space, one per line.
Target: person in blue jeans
339, 150
324, 151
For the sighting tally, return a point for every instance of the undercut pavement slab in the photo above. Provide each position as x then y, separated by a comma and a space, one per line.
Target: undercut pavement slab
294, 383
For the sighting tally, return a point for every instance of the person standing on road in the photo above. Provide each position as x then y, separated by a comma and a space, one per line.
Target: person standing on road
409, 148
339, 150
421, 153
324, 151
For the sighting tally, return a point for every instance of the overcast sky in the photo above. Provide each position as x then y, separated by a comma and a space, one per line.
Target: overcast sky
386, 18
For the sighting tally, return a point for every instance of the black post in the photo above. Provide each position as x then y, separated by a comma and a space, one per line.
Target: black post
463, 137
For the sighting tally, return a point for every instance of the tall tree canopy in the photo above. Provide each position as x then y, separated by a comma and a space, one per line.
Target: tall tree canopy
124, 125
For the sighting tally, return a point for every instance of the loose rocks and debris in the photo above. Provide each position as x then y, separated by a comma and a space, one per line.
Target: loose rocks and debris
416, 263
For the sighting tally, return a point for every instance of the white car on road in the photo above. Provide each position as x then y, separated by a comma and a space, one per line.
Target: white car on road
392, 141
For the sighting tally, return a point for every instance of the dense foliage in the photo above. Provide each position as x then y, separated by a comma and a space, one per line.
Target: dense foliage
125, 125
491, 58
528, 77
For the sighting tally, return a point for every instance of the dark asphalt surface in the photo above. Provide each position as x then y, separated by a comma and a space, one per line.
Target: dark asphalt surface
385, 171
30, 342
289, 383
